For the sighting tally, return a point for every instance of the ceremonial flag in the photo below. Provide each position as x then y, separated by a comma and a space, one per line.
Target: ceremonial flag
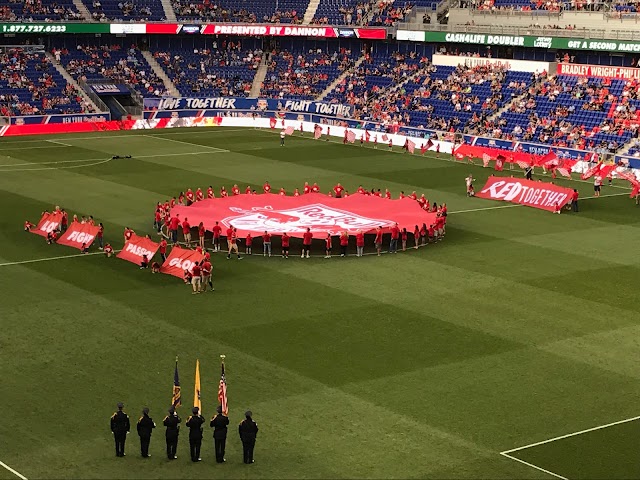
196, 394
351, 137
176, 400
367, 136
635, 183
500, 163
272, 122
549, 160
289, 130
411, 146
79, 234
486, 159
47, 224
591, 172
222, 391
429, 144
522, 163
317, 132
384, 137
564, 171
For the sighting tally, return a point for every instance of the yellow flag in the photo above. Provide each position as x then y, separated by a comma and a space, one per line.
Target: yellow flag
196, 394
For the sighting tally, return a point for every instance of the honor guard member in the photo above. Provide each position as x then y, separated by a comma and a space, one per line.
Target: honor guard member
145, 427
219, 424
172, 422
248, 432
120, 426
195, 422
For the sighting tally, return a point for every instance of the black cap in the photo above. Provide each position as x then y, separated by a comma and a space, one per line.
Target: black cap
120, 405
172, 410
248, 414
195, 410
219, 409
145, 410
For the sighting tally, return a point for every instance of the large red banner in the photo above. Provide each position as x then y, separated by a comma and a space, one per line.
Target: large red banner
321, 213
179, 260
526, 192
49, 222
79, 233
137, 247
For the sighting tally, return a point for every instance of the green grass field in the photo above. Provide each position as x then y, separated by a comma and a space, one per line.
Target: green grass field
520, 327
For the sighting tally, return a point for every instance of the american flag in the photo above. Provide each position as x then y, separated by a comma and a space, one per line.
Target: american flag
317, 132
486, 159
222, 392
176, 400
411, 146
564, 171
289, 130
384, 137
351, 137
522, 163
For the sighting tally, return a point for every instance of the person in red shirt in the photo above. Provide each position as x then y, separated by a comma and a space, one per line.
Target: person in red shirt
199, 195
157, 222
344, 243
296, 193
285, 245
423, 234
162, 248
210, 193
556, 208
206, 275
345, 194
108, 250
423, 201
266, 187
127, 233
186, 231
283, 192
401, 195
232, 239
307, 188
315, 188
190, 197
223, 192
574, 200
207, 256
155, 267
338, 189
172, 203
235, 190
378, 240
359, 243
306, 243
361, 190
395, 235
52, 237
196, 278
330, 193
248, 244
378, 193
390, 144
403, 236
416, 236
100, 236
181, 198
28, 226
266, 244
327, 247
247, 191
413, 196
201, 233
174, 223
217, 231
387, 194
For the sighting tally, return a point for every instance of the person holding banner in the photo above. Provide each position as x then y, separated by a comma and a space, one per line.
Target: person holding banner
232, 240
201, 233
285, 245
217, 231
108, 250
306, 242
206, 275
162, 249
186, 231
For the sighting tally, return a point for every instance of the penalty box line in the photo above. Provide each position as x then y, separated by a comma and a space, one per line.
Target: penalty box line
507, 453
15, 472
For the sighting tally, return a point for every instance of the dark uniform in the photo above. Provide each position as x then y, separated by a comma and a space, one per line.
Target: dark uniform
172, 422
145, 427
219, 424
248, 430
195, 422
120, 426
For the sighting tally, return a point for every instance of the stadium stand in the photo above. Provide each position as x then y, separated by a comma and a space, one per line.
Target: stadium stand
246, 11
38, 10
224, 67
126, 10
547, 5
30, 85
112, 62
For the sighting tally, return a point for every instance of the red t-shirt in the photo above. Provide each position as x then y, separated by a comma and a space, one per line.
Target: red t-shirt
186, 228
328, 242
163, 246
361, 190
404, 236
360, 239
190, 196
100, 232
195, 271
217, 230
387, 195
235, 191
377, 194
229, 233
416, 232
413, 196
307, 189
174, 223
575, 196
315, 189
285, 240
266, 238
127, 234
296, 193
247, 191
282, 192
378, 236
266, 187
344, 240
206, 268
395, 232
248, 240
306, 238
201, 231
172, 203
223, 193
199, 195
338, 190
210, 193
158, 216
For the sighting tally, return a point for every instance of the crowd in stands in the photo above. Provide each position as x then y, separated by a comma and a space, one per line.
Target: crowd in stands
30, 85
552, 6
123, 10
39, 10
112, 62
304, 74
212, 10
227, 71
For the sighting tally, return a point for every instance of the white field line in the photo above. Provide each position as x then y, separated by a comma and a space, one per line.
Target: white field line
105, 137
548, 472
214, 149
60, 143
507, 453
9, 168
33, 148
15, 472
513, 205
48, 259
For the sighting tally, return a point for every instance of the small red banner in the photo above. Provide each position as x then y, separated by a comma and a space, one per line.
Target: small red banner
526, 192
136, 247
79, 233
48, 223
179, 260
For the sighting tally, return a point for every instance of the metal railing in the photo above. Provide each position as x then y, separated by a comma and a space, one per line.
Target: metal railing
93, 96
